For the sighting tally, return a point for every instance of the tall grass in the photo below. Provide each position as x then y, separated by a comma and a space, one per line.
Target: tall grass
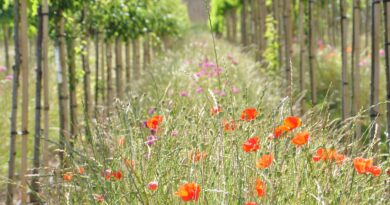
227, 175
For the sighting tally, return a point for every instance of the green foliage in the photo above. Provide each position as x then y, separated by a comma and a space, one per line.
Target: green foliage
271, 52
218, 11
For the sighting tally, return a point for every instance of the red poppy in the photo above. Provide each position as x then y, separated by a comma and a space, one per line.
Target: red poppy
107, 174
196, 156
249, 114
68, 176
154, 122
250, 203
251, 145
265, 161
117, 175
215, 110
328, 154
153, 185
260, 188
375, 170
292, 122
188, 192
301, 138
98, 197
279, 131
229, 125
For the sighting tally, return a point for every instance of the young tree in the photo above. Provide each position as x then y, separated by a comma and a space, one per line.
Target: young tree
355, 71
312, 54
374, 97
387, 52
344, 61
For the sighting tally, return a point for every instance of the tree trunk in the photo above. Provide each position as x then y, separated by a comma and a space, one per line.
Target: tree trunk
227, 25
374, 98
34, 198
23, 38
74, 128
288, 47
63, 94
119, 69
262, 15
103, 73
234, 25
146, 49
344, 62
45, 66
244, 35
110, 90
87, 78
355, 99
387, 50
13, 127
6, 47
128, 65
302, 54
136, 59
312, 55
97, 75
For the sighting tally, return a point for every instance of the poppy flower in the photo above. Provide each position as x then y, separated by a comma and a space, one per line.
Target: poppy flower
249, 114
279, 131
301, 138
153, 185
375, 170
251, 145
292, 122
129, 163
265, 161
188, 192
81, 170
107, 174
117, 175
229, 125
154, 122
215, 110
98, 197
362, 165
197, 156
328, 154
260, 188
68, 176
250, 203
121, 141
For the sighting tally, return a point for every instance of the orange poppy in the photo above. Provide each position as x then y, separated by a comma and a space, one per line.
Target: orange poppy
249, 114
215, 110
197, 156
362, 165
229, 125
129, 163
260, 188
251, 145
331, 154
265, 161
250, 203
68, 176
301, 138
153, 185
154, 122
279, 131
292, 122
81, 170
188, 192
117, 175
375, 170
